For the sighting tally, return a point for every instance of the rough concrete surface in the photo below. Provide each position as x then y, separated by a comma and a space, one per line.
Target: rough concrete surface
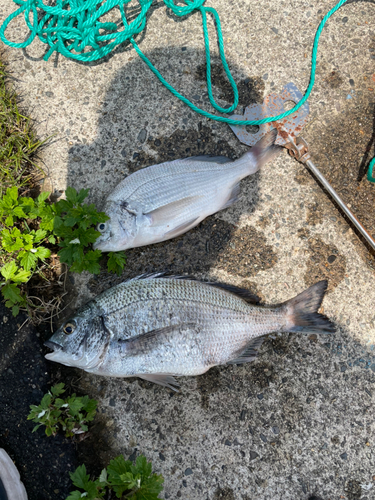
297, 423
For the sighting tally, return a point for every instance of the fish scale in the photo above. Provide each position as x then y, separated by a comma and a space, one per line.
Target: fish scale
167, 190
158, 327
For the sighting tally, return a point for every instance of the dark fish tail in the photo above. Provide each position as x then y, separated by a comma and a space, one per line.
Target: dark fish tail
301, 311
265, 149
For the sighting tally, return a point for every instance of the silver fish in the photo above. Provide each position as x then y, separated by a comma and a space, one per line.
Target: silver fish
157, 328
163, 201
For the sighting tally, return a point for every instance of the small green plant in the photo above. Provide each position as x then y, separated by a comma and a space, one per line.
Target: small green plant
31, 228
70, 414
134, 482
74, 225
22, 247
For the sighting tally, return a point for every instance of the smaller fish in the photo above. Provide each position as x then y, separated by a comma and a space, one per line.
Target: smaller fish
163, 201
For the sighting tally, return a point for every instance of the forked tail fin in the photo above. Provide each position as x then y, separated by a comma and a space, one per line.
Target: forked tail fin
301, 311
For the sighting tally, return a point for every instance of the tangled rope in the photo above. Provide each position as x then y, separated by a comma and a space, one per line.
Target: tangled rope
73, 29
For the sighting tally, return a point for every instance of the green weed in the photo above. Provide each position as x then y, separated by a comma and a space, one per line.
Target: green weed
31, 228
18, 143
70, 414
122, 477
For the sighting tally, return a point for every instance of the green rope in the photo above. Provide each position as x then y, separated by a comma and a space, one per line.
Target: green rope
72, 28
370, 177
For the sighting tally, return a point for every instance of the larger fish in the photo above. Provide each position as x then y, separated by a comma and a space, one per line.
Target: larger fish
163, 201
158, 327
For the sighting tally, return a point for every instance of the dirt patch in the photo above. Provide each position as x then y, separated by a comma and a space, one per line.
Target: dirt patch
301, 176
341, 146
250, 90
353, 489
262, 374
263, 222
224, 494
314, 214
207, 384
280, 343
333, 79
303, 233
324, 262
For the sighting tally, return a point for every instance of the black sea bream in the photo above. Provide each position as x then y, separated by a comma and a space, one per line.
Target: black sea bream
158, 328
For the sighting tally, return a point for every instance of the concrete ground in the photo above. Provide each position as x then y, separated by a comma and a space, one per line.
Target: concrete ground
297, 423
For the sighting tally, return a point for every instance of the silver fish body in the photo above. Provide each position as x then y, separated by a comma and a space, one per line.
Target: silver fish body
163, 201
157, 328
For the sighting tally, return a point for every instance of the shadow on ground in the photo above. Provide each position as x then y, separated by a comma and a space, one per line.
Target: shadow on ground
213, 242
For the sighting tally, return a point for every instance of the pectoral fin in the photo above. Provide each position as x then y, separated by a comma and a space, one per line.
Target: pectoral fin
167, 213
162, 379
146, 341
182, 228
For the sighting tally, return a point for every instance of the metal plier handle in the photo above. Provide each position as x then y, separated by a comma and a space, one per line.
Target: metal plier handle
299, 149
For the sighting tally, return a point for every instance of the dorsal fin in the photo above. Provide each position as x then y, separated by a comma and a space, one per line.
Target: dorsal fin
210, 159
243, 293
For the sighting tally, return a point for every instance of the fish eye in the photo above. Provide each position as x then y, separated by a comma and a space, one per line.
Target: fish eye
102, 226
69, 328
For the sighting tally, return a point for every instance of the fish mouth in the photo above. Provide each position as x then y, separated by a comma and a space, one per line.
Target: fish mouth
52, 345
102, 244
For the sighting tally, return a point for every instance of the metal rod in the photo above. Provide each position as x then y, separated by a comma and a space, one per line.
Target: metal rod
341, 204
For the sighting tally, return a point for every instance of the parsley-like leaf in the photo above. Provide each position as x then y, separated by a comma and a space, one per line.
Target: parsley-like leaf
9, 270
12, 293
27, 259
116, 262
58, 389
75, 495
79, 477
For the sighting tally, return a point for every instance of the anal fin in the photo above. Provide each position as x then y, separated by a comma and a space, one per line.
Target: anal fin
161, 379
249, 354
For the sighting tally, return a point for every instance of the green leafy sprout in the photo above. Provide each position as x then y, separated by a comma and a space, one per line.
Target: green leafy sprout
69, 415
122, 477
31, 228
23, 249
